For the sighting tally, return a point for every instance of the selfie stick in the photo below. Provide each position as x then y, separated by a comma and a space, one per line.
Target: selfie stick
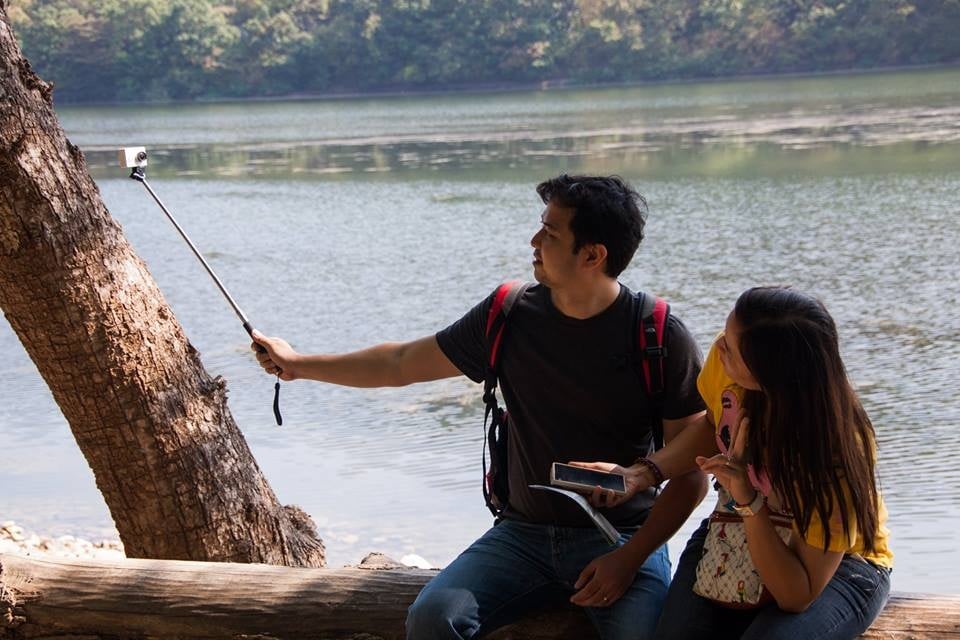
136, 157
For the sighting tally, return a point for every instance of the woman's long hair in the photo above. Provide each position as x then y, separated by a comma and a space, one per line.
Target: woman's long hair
808, 430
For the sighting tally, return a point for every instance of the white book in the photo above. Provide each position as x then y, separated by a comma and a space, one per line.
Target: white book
608, 530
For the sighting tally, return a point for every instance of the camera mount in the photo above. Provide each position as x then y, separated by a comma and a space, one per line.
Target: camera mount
136, 158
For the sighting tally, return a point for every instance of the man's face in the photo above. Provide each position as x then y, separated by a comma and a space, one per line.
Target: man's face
554, 262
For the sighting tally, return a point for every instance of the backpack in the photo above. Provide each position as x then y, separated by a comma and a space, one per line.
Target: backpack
651, 324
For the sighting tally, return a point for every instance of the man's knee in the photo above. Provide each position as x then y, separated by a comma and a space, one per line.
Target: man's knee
442, 613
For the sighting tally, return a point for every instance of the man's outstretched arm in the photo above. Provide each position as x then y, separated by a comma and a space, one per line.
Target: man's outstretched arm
391, 364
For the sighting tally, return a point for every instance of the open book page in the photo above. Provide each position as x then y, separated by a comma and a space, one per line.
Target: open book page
607, 529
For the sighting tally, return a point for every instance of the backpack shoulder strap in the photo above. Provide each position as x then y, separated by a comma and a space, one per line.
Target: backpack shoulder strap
651, 331
494, 437
503, 300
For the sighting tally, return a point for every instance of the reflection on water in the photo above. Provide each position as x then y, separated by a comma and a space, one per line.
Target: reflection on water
678, 156
854, 124
341, 223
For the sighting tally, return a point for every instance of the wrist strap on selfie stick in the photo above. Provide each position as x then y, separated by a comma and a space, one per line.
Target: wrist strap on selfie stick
139, 175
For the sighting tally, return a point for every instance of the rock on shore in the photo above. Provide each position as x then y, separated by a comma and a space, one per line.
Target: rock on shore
14, 540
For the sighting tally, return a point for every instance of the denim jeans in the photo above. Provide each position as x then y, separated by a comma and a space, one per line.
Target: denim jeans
848, 605
515, 568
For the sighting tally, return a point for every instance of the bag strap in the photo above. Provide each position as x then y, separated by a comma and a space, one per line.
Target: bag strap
651, 329
778, 519
503, 300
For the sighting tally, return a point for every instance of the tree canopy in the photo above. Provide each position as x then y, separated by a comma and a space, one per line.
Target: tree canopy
116, 50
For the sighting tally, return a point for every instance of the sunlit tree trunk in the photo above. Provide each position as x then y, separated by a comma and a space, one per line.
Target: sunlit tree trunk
173, 468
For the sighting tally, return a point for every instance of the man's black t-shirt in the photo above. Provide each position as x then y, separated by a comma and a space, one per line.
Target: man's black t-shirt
574, 392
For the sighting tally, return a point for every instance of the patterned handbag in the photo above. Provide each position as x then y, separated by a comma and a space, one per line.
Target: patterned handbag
725, 573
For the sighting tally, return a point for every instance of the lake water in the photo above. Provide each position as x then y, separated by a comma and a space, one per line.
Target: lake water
343, 222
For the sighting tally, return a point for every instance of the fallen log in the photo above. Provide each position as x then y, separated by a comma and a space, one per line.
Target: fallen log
45, 598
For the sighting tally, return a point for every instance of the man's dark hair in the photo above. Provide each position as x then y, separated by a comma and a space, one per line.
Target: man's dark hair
606, 210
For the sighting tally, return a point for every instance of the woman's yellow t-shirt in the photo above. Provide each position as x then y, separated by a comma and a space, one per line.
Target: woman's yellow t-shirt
713, 381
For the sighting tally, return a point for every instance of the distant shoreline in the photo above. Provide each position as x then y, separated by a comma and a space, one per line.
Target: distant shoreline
557, 84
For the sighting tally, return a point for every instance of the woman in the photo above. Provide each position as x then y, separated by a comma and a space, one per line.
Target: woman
800, 444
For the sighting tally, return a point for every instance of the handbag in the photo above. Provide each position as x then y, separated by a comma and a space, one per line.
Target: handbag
725, 572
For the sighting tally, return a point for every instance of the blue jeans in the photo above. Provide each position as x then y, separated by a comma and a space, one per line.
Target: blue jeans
848, 605
516, 568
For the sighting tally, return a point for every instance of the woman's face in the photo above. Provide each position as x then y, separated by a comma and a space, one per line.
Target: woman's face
733, 364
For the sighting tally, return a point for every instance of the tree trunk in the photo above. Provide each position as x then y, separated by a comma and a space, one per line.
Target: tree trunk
169, 599
175, 471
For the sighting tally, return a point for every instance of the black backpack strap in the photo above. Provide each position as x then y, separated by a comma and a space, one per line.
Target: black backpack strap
493, 435
651, 332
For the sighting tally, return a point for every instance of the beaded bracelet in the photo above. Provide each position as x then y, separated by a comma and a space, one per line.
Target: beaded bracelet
654, 469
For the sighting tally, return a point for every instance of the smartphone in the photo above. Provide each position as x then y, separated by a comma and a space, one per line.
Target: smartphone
585, 480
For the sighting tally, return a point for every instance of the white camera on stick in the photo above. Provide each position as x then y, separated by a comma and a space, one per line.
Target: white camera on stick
133, 157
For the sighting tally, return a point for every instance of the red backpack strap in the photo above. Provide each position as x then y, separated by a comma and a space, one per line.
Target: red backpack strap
494, 436
503, 301
507, 293
654, 312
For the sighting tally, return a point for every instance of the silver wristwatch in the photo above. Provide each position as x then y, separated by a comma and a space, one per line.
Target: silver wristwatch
751, 509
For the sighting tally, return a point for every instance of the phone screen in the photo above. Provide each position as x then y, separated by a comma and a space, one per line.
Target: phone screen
589, 477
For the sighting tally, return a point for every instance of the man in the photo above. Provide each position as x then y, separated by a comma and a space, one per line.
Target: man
569, 378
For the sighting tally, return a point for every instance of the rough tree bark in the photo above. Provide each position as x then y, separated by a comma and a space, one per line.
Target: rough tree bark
175, 471
171, 599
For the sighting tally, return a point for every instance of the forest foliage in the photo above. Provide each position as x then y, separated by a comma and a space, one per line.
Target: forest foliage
119, 50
